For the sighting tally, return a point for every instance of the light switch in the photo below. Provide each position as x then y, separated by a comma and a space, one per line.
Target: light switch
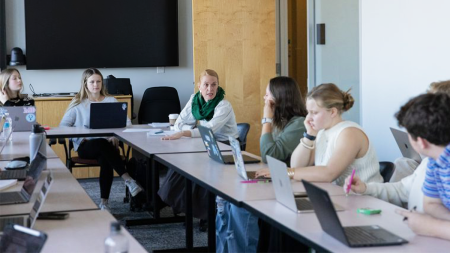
159, 70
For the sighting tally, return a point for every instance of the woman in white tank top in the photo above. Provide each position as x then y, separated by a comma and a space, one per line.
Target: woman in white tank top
331, 147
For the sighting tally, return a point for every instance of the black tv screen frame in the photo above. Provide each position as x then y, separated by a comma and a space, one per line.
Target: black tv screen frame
74, 34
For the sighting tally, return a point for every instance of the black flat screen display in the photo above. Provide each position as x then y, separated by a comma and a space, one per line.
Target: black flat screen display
69, 34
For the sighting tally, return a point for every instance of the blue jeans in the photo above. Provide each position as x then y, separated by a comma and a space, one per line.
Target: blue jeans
236, 229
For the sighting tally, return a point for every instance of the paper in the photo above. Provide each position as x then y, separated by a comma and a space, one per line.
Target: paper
7, 183
155, 124
135, 130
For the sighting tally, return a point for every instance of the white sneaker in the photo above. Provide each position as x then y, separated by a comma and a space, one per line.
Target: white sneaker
133, 187
104, 206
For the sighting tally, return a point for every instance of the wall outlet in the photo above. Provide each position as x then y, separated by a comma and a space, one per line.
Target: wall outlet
159, 70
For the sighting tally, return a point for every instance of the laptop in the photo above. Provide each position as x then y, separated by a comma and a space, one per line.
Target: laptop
405, 146
29, 219
17, 238
19, 174
23, 117
355, 236
213, 149
24, 195
297, 202
239, 161
108, 115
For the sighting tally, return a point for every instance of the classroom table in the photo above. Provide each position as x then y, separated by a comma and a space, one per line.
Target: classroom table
20, 147
66, 194
83, 231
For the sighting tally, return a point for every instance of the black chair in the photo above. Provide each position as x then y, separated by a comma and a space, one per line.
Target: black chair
243, 129
120, 86
386, 170
157, 103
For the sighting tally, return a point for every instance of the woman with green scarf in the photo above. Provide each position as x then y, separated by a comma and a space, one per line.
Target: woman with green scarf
207, 108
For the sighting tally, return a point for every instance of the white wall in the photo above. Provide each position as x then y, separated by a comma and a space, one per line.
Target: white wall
404, 47
49, 81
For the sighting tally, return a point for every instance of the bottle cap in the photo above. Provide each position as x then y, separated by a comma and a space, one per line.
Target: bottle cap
37, 128
115, 226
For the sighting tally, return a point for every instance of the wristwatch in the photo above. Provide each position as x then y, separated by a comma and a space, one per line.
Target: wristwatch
266, 120
309, 137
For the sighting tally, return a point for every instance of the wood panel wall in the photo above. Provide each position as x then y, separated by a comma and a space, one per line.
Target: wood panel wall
237, 39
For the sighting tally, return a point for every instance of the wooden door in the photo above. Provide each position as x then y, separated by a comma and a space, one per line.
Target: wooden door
237, 39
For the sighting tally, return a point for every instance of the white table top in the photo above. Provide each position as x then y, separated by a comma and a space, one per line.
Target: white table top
20, 147
83, 231
66, 194
223, 180
307, 225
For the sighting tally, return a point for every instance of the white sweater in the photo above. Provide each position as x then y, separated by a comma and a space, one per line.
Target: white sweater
367, 167
408, 190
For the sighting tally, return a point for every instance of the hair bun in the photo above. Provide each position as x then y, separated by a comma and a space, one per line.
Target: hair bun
348, 100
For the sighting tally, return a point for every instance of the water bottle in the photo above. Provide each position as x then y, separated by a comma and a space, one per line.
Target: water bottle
116, 242
37, 142
7, 127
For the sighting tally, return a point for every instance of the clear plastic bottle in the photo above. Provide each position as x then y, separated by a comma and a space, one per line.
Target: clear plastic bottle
116, 242
7, 127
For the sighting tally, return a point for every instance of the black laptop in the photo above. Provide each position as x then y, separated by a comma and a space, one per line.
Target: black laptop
108, 115
357, 236
213, 149
24, 195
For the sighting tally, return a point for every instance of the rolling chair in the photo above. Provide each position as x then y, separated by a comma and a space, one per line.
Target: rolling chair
157, 103
387, 170
243, 129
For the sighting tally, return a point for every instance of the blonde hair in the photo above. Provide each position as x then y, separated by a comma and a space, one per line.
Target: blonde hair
440, 87
84, 91
328, 95
208, 72
4, 81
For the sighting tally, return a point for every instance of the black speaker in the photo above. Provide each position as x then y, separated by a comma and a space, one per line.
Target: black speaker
2, 35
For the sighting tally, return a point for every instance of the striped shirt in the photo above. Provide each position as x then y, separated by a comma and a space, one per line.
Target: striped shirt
437, 178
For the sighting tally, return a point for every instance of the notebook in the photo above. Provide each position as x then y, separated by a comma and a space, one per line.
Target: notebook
29, 219
239, 161
356, 236
23, 117
405, 146
213, 149
284, 194
24, 195
108, 115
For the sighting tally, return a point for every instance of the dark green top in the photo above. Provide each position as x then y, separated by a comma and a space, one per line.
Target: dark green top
281, 144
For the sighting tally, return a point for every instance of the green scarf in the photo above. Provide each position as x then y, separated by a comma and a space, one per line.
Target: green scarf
205, 110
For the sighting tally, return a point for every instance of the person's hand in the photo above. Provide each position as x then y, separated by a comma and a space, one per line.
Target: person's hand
174, 136
3, 96
358, 186
114, 141
268, 109
308, 125
263, 173
420, 224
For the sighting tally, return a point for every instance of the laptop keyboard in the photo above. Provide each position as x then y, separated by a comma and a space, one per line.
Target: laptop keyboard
358, 236
20, 220
11, 197
13, 174
303, 204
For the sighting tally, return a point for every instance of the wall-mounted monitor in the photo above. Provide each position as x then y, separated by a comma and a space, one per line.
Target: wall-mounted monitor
69, 34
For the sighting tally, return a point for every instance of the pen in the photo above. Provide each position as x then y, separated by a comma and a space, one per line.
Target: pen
349, 186
159, 132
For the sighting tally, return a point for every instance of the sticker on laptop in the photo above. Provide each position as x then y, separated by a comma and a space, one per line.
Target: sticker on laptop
30, 117
124, 106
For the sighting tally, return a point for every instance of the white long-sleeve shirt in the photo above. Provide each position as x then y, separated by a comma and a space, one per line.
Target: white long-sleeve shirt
408, 190
223, 124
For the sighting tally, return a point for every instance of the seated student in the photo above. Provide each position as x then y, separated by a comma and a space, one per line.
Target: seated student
282, 126
105, 150
11, 85
341, 146
409, 189
426, 118
208, 108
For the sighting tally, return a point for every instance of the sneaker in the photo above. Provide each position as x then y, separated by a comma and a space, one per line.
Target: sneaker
133, 187
104, 206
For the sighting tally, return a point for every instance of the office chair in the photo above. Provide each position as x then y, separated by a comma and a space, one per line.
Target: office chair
120, 86
243, 129
157, 103
387, 170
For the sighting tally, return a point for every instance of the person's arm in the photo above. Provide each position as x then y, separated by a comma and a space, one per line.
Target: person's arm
282, 148
426, 225
69, 118
395, 193
304, 153
435, 208
185, 120
222, 114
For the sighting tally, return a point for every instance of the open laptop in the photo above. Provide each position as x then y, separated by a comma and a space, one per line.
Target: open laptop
108, 115
355, 236
24, 195
29, 219
239, 161
213, 149
405, 146
19, 174
297, 202
23, 117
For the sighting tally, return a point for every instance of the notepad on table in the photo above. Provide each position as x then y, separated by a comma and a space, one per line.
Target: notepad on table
4, 184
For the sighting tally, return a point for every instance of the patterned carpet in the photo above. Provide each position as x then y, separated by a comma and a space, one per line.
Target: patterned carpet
152, 237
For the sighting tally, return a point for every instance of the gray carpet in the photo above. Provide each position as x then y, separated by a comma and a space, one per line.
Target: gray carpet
152, 237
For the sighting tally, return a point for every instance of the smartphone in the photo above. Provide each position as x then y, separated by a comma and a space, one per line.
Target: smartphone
17, 238
53, 216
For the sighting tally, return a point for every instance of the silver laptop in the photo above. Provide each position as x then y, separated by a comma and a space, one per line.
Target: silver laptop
405, 146
298, 202
30, 219
239, 161
23, 117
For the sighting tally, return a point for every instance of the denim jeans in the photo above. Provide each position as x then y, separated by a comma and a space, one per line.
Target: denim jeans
236, 229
